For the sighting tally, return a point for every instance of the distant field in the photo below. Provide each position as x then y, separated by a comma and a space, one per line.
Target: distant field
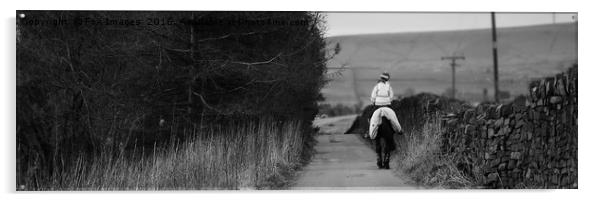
414, 60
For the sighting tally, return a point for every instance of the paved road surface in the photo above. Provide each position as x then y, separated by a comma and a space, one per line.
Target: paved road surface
334, 125
345, 162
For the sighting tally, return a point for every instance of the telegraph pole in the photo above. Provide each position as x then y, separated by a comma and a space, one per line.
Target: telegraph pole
453, 66
495, 73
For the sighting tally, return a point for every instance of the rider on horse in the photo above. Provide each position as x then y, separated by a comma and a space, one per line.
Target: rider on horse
383, 123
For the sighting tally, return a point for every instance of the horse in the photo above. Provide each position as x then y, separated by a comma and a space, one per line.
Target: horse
384, 143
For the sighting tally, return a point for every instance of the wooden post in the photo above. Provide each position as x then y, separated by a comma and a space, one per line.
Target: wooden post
495, 65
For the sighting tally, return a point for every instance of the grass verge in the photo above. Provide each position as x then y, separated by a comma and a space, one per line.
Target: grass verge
252, 155
420, 158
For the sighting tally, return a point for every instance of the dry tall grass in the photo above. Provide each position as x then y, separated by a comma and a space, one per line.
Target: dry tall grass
421, 159
246, 156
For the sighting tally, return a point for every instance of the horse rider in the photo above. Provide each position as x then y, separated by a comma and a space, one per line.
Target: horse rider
385, 117
382, 93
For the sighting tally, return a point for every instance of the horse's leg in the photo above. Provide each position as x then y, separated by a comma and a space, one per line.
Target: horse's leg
386, 160
388, 144
378, 149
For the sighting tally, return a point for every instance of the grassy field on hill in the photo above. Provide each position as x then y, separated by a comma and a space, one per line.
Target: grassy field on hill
414, 60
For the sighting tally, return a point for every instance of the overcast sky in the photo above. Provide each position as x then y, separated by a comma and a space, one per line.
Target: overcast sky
340, 23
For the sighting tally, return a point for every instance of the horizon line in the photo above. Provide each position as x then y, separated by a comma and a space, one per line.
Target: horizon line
451, 30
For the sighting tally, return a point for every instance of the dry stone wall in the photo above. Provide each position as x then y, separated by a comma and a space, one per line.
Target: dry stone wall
529, 143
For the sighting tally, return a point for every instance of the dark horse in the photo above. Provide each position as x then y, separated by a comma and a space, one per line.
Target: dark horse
384, 143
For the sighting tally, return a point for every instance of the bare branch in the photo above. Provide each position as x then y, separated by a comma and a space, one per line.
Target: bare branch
268, 81
231, 34
215, 38
257, 63
207, 104
178, 50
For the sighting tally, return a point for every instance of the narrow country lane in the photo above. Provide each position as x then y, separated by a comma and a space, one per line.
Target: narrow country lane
345, 162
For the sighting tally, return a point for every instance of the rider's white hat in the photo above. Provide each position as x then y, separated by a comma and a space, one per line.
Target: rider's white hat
384, 76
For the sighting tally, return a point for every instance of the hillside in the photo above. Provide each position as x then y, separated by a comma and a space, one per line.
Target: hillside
414, 60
